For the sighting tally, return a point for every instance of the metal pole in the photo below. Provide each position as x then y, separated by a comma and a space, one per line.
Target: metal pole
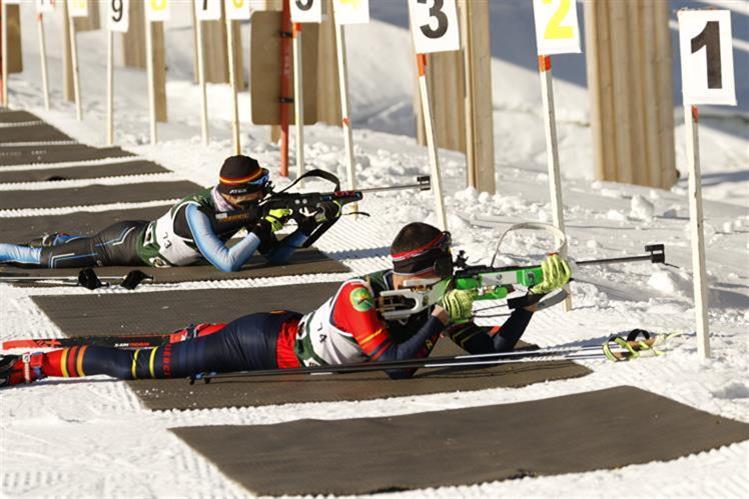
233, 82
74, 64
43, 57
439, 203
552, 153
110, 88
348, 137
201, 79
151, 83
298, 98
691, 119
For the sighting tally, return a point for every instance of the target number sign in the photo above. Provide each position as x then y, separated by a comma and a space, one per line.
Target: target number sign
78, 8
238, 10
434, 25
157, 10
350, 11
44, 6
307, 11
208, 10
557, 29
118, 16
706, 57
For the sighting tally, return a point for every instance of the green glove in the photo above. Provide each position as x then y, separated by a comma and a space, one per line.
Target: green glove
277, 218
458, 304
556, 274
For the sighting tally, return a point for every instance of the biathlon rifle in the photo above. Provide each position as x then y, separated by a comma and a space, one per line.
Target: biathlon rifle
306, 204
491, 283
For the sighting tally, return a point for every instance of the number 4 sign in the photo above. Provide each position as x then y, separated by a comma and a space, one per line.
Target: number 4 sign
557, 30
706, 57
434, 25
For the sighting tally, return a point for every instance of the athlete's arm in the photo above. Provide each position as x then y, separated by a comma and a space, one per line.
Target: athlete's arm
355, 313
213, 248
476, 339
282, 250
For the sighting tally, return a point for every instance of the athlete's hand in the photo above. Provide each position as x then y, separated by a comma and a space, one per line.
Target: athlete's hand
556, 274
328, 210
458, 304
277, 218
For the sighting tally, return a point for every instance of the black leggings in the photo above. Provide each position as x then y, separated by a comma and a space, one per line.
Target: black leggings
115, 245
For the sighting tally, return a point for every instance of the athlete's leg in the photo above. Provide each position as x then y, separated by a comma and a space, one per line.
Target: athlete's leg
18, 254
112, 246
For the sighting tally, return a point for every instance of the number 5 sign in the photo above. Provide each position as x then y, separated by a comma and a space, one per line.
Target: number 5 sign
706, 57
557, 30
434, 25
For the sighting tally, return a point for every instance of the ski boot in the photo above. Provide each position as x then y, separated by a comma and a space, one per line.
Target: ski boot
48, 240
18, 369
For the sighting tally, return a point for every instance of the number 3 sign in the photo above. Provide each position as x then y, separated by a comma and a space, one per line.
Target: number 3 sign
434, 25
557, 30
706, 57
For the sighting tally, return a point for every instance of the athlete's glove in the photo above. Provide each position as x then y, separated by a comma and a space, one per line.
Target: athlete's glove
277, 218
328, 210
458, 304
556, 272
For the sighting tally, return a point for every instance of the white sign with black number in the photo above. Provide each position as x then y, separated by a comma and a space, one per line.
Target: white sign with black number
238, 10
434, 25
45, 6
119, 19
351, 11
208, 10
306, 11
706, 57
157, 10
557, 29
78, 8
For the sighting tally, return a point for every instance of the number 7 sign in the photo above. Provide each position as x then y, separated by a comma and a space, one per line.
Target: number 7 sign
706, 57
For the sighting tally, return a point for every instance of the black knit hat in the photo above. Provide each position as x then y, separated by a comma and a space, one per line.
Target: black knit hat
241, 175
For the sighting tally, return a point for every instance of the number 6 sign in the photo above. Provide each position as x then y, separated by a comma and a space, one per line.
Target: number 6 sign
706, 57
434, 25
557, 30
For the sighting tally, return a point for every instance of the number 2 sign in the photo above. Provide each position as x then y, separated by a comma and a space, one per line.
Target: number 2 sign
557, 29
119, 18
434, 25
306, 11
706, 57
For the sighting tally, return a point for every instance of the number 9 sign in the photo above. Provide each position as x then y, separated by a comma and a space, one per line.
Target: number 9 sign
557, 29
706, 57
157, 10
118, 15
434, 25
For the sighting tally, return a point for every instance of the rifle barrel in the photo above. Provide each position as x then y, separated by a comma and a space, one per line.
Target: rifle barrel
616, 260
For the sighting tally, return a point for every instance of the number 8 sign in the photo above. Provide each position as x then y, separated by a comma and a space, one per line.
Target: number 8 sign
434, 25
557, 30
706, 57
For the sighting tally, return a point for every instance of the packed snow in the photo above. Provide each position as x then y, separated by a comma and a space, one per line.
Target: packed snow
74, 438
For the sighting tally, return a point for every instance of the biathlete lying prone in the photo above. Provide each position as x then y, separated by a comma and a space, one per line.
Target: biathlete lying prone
346, 328
184, 234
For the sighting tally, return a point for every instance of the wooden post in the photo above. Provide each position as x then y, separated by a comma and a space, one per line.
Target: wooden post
134, 41
233, 83
74, 68
421, 63
43, 59
159, 69
664, 96
691, 118
298, 99
201, 76
4, 55
552, 153
285, 55
348, 134
151, 81
110, 87
328, 102
67, 65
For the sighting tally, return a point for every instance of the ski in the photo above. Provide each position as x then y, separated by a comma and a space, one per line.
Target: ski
135, 341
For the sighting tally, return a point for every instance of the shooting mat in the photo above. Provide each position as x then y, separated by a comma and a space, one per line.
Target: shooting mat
96, 194
604, 429
9, 117
137, 167
29, 155
41, 132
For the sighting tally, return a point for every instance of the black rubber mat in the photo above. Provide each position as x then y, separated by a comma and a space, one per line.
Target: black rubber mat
605, 429
96, 194
252, 392
165, 311
305, 261
23, 155
83, 171
18, 117
33, 133
20, 230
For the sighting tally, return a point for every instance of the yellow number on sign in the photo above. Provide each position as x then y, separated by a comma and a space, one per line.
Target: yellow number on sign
158, 4
80, 4
554, 31
238, 4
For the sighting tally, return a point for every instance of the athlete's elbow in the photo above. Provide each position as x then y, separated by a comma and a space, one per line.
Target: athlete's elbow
225, 266
400, 373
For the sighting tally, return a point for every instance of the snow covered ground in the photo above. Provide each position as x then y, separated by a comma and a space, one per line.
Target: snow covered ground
93, 439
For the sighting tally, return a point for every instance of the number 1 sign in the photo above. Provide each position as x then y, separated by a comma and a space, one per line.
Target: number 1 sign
706, 57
